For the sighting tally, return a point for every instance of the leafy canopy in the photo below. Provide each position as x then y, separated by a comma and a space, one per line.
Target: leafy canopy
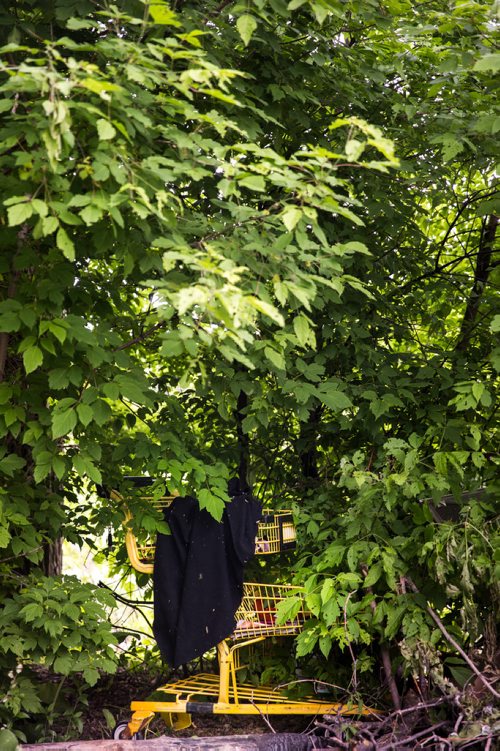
256, 235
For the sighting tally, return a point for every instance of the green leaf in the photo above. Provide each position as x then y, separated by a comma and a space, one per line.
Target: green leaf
91, 675
109, 717
63, 664
86, 468
135, 390
5, 393
440, 462
351, 247
31, 612
32, 358
58, 330
334, 399
327, 590
10, 321
394, 618
495, 324
246, 25
105, 130
306, 641
63, 422
59, 467
40, 207
291, 216
65, 244
313, 603
373, 574
325, 645
302, 329
320, 11
460, 671
304, 294
275, 357
102, 411
266, 308
85, 414
354, 149
212, 503
331, 611
19, 213
488, 62
287, 609
49, 225
58, 378
8, 741
253, 182
161, 13
11, 463
42, 470
91, 214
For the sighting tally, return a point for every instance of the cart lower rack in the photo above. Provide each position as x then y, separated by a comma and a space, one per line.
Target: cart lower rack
207, 694
223, 694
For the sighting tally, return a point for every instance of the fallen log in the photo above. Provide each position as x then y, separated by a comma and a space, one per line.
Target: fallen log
267, 742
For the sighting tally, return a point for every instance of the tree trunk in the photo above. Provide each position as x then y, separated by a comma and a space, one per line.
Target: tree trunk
53, 558
307, 445
481, 274
268, 742
243, 445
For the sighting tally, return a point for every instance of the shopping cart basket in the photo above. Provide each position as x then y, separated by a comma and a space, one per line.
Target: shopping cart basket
276, 533
256, 620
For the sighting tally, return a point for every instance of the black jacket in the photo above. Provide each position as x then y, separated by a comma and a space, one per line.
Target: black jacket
198, 575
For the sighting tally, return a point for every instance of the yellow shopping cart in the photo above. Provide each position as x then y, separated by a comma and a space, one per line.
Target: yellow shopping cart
255, 621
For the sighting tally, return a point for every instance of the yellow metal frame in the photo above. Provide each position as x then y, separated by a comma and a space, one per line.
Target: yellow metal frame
275, 533
207, 693
255, 621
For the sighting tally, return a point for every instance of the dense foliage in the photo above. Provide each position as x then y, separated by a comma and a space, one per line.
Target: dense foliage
260, 238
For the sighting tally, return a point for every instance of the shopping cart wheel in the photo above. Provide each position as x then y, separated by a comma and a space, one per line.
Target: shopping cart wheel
120, 734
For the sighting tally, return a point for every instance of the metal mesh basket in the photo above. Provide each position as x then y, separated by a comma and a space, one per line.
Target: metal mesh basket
257, 614
275, 533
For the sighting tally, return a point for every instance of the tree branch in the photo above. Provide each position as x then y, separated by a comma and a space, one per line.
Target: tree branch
141, 337
481, 273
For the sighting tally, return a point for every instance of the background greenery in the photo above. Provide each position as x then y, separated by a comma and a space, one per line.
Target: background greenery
258, 238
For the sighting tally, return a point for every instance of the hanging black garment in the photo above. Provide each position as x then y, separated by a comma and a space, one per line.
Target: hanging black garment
198, 575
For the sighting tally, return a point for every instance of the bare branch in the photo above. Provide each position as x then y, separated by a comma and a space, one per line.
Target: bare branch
439, 623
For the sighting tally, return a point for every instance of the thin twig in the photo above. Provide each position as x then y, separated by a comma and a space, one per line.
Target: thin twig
141, 337
130, 631
22, 555
384, 650
417, 707
432, 738
416, 736
125, 600
458, 722
263, 716
354, 661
